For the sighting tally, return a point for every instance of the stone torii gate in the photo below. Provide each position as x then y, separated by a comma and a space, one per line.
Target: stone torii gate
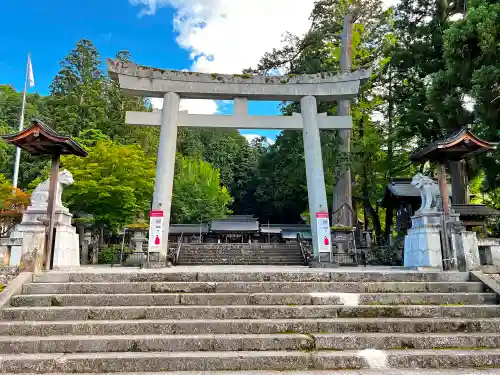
173, 85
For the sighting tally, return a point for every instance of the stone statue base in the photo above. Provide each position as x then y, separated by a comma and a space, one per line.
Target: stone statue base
423, 242
464, 246
32, 233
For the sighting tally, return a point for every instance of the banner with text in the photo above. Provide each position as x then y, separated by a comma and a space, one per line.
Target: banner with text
323, 232
155, 230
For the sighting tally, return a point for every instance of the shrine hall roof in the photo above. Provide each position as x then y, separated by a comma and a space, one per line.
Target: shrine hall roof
41, 139
177, 229
455, 146
478, 210
236, 223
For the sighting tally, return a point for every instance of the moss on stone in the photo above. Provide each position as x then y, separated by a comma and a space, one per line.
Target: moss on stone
244, 76
54, 301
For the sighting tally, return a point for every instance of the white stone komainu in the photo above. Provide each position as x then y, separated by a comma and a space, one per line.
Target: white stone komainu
429, 191
40, 196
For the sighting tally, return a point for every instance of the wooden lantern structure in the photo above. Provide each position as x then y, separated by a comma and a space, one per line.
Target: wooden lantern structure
452, 148
40, 139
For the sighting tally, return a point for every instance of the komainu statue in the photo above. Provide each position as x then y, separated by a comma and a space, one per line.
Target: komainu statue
429, 191
40, 196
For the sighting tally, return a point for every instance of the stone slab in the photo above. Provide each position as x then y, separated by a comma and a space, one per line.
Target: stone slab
221, 299
464, 371
389, 341
155, 343
245, 312
255, 326
15, 287
228, 361
221, 274
252, 287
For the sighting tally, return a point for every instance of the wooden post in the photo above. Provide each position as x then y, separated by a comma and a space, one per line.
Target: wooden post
342, 193
54, 176
444, 189
459, 182
447, 264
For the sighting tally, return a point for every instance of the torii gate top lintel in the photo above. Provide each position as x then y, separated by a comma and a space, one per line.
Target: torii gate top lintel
152, 82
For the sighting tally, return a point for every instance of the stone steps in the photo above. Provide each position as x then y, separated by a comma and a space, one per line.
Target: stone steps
105, 362
254, 326
246, 312
301, 274
234, 321
242, 262
393, 371
169, 299
246, 342
252, 287
240, 255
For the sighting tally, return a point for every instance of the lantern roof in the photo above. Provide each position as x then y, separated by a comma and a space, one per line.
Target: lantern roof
455, 146
41, 139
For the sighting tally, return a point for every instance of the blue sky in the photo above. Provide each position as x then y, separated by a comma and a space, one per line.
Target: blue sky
209, 35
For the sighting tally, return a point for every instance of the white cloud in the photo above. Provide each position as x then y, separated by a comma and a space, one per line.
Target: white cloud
251, 137
194, 106
227, 36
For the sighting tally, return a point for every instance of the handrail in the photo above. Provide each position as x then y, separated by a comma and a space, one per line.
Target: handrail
179, 246
302, 250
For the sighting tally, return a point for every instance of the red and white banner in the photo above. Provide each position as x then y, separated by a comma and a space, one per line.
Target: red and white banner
155, 230
323, 232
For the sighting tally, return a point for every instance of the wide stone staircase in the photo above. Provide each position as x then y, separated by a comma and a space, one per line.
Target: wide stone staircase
234, 321
241, 254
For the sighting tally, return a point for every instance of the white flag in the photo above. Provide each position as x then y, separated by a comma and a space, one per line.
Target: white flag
31, 78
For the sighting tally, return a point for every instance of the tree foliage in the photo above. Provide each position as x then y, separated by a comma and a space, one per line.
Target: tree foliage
12, 205
198, 195
114, 183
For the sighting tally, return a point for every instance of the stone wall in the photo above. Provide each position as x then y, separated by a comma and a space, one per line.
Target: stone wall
7, 274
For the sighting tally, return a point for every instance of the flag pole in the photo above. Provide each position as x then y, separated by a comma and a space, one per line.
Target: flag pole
21, 125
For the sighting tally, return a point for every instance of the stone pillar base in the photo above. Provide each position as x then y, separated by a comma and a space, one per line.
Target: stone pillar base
423, 242
31, 233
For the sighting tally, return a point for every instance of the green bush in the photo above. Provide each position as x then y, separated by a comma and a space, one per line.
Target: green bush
109, 254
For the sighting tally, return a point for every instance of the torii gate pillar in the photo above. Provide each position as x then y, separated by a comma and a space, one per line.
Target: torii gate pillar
165, 164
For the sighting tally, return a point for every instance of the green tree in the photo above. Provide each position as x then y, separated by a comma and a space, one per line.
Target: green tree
317, 52
198, 194
114, 183
472, 68
10, 111
228, 151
